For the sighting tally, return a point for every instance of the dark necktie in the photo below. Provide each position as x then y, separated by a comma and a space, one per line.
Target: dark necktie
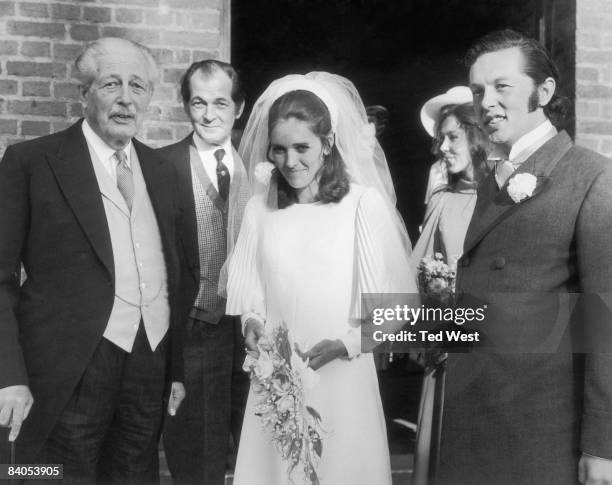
125, 180
223, 176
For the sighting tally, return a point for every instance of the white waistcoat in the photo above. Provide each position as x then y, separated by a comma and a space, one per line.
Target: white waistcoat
140, 271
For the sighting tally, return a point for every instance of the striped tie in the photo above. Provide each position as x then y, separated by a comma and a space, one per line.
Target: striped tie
503, 170
125, 179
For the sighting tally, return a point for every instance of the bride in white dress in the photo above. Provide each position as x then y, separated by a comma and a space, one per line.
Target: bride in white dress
323, 231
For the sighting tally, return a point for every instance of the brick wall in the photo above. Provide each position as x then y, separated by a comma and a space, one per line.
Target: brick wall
558, 31
40, 39
594, 75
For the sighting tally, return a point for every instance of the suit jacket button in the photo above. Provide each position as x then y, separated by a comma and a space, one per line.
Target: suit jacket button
499, 263
465, 261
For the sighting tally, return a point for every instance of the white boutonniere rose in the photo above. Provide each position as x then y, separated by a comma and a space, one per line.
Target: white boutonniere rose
521, 186
263, 172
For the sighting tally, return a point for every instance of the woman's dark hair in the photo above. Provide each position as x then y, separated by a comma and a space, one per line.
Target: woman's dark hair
478, 140
538, 65
333, 178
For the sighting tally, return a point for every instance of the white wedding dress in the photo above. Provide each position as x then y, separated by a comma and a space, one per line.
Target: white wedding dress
304, 265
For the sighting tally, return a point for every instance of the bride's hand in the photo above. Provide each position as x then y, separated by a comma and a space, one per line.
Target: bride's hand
253, 330
323, 352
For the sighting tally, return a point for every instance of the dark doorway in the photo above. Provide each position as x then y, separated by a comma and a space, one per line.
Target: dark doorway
398, 53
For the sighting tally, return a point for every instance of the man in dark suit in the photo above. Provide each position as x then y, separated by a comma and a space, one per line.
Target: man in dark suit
90, 214
530, 410
214, 192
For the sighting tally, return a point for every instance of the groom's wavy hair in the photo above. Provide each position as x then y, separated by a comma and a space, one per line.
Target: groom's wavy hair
333, 177
538, 65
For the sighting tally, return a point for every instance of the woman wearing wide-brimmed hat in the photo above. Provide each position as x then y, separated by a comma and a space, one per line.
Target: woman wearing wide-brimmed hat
461, 148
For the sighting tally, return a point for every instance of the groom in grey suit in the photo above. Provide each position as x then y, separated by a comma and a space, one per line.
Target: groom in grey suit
537, 411
214, 191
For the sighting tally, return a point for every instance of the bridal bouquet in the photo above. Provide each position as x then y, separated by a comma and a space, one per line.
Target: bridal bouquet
437, 279
437, 283
278, 378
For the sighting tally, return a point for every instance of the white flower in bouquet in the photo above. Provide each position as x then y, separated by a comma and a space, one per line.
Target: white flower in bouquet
264, 367
249, 362
436, 278
266, 343
285, 404
309, 377
438, 284
281, 387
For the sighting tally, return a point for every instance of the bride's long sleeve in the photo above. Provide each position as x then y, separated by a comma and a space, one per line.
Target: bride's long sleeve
382, 260
245, 292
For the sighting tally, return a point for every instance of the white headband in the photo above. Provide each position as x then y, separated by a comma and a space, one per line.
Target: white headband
298, 82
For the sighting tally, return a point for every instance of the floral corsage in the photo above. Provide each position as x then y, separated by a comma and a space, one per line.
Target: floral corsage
521, 186
263, 172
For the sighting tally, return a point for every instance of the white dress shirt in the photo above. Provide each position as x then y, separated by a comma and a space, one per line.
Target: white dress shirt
105, 153
528, 144
207, 155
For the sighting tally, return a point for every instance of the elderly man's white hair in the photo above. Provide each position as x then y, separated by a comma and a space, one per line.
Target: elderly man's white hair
87, 62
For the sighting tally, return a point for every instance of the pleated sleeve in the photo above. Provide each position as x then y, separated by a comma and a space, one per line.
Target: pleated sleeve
381, 256
245, 291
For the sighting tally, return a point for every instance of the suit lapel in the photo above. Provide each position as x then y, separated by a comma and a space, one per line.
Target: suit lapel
155, 180
495, 205
189, 229
140, 191
160, 185
75, 175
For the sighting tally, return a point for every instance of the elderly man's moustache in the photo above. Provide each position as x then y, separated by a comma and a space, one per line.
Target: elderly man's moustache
123, 113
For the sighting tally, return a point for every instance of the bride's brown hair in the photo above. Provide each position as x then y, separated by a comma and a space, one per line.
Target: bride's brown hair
333, 178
